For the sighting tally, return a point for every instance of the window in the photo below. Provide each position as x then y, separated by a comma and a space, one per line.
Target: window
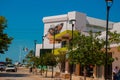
64, 43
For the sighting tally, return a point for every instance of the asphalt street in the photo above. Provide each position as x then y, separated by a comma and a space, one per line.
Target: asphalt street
21, 74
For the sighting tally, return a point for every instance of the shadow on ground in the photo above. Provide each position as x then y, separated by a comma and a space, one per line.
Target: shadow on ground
13, 75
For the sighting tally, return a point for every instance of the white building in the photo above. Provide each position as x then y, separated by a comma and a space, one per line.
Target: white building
83, 24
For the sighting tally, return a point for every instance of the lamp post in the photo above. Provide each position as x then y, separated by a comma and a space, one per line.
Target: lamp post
53, 47
53, 40
53, 34
108, 6
42, 50
72, 21
42, 44
35, 41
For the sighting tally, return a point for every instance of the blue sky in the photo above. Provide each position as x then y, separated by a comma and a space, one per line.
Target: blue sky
25, 18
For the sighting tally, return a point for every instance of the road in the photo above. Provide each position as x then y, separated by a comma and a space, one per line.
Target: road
21, 74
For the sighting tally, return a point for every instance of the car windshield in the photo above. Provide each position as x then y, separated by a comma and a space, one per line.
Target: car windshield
10, 66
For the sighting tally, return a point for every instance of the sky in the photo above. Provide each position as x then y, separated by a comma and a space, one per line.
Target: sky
24, 19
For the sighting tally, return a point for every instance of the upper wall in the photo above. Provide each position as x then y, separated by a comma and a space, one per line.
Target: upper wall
98, 22
83, 23
61, 22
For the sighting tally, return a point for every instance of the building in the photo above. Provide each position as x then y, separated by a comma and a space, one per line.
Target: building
60, 23
83, 23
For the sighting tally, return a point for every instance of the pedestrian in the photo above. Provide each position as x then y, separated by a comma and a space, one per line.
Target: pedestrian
30, 70
115, 73
116, 70
118, 75
115, 76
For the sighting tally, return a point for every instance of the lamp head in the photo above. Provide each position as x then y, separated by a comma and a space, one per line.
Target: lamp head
109, 2
72, 21
35, 41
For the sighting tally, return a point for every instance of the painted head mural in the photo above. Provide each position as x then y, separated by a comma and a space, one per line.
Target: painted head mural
53, 30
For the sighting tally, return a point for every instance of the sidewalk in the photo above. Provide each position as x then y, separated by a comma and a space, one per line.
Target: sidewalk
38, 76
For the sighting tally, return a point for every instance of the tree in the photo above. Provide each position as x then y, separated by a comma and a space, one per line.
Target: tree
114, 37
50, 60
30, 54
28, 58
61, 57
8, 60
88, 50
5, 40
35, 61
47, 59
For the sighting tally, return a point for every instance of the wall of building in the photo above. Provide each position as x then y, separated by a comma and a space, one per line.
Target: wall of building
116, 56
38, 47
83, 24
81, 21
54, 21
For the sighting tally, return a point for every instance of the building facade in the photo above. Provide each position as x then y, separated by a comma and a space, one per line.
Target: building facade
83, 24
54, 25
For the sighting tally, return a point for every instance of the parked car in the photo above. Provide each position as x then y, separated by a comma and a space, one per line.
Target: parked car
2, 67
11, 67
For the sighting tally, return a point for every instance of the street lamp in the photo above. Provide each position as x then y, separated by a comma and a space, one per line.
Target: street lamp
42, 51
42, 44
35, 41
53, 34
108, 6
53, 40
72, 21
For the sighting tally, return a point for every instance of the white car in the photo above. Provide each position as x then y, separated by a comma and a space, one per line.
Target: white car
11, 67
